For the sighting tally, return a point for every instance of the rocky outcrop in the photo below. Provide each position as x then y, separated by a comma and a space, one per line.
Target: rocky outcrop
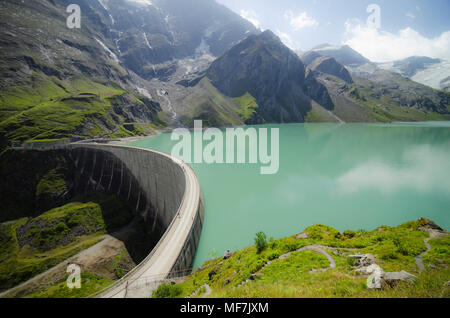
227, 255
329, 65
377, 277
393, 278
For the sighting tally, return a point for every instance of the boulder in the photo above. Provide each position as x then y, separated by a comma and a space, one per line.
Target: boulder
227, 255
302, 236
375, 279
363, 260
255, 276
392, 278
211, 274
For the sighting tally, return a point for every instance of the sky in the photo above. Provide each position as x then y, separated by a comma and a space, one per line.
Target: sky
404, 28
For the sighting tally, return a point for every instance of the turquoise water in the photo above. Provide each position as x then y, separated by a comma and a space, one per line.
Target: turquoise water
352, 176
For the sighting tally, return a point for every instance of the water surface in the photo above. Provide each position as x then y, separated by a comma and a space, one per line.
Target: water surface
351, 176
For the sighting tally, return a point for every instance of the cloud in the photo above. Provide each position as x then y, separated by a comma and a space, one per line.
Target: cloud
300, 21
251, 16
426, 169
383, 46
410, 15
287, 40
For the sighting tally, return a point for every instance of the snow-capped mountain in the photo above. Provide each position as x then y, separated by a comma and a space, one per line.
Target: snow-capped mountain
428, 71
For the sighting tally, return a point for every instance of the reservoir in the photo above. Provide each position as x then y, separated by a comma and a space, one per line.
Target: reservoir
347, 176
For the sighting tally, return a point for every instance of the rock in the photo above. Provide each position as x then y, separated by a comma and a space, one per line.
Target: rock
428, 224
375, 279
302, 236
432, 266
227, 255
392, 278
254, 276
211, 274
284, 256
363, 260
221, 263
227, 281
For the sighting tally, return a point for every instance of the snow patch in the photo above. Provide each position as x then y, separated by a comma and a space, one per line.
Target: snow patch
142, 2
144, 92
110, 53
146, 41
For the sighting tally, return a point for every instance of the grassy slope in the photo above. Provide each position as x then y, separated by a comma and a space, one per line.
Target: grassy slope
208, 104
248, 106
395, 250
33, 245
358, 103
50, 108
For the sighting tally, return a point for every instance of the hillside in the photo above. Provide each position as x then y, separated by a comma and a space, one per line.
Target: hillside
95, 81
322, 262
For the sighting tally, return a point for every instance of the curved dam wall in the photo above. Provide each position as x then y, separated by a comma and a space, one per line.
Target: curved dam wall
163, 191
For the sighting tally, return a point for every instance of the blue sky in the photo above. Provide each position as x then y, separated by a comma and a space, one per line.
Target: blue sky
408, 27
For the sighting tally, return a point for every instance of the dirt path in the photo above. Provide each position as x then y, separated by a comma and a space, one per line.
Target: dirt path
433, 234
318, 248
94, 257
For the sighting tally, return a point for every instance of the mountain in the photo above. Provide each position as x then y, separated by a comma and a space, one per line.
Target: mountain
106, 78
375, 94
262, 67
140, 65
328, 65
425, 70
343, 54
150, 36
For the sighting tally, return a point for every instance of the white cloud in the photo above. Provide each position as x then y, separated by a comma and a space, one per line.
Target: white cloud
251, 16
300, 21
410, 15
383, 46
426, 169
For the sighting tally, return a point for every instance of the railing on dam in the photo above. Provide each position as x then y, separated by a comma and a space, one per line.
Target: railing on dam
166, 194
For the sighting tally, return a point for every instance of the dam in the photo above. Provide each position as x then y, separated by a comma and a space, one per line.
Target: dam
163, 190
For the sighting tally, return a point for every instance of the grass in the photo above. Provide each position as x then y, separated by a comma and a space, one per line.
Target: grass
385, 109
248, 106
53, 182
49, 108
208, 104
90, 283
33, 245
395, 249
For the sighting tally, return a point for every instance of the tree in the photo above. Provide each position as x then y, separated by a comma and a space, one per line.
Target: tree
260, 241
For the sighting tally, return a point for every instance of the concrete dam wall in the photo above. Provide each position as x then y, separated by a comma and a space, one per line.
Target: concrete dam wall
163, 190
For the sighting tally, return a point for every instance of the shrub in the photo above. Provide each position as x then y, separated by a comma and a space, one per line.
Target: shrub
349, 234
402, 248
389, 255
273, 256
167, 291
260, 241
